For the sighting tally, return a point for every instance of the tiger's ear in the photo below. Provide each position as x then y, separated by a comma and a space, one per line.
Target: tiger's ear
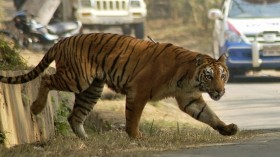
222, 58
199, 59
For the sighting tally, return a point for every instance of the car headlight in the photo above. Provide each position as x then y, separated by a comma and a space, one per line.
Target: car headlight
232, 34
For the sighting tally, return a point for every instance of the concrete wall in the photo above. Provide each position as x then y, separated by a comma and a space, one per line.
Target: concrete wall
16, 120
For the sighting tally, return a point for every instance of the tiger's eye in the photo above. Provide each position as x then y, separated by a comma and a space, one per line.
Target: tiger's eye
209, 77
223, 76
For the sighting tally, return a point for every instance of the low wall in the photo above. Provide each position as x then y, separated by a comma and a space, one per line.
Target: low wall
16, 121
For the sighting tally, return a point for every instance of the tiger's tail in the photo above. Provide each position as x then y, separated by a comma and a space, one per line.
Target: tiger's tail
44, 63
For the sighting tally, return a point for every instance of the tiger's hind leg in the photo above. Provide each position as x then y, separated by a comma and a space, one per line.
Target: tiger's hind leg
39, 104
84, 102
58, 81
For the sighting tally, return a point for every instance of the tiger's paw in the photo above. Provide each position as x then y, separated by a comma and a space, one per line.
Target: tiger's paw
37, 107
227, 130
77, 128
134, 135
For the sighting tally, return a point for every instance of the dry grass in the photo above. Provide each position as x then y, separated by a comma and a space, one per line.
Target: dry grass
116, 143
163, 125
184, 35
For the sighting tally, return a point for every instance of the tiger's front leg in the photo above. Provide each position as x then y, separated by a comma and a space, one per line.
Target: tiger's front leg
198, 109
133, 112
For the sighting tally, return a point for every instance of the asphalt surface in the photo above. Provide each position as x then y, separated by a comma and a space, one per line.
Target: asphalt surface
262, 146
252, 103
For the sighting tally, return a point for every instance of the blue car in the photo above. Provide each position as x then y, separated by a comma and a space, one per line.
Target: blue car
248, 32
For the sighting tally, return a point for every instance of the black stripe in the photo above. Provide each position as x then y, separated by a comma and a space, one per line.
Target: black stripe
148, 46
155, 50
58, 50
179, 53
128, 120
77, 43
124, 41
129, 109
79, 58
125, 50
83, 100
151, 93
125, 65
92, 96
102, 46
166, 46
198, 116
82, 109
82, 106
135, 67
97, 44
79, 86
190, 103
84, 42
118, 82
179, 82
124, 85
81, 61
108, 53
78, 118
128, 59
113, 66
62, 84
23, 79
90, 49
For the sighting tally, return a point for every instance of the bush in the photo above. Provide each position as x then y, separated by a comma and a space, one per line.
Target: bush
10, 58
2, 137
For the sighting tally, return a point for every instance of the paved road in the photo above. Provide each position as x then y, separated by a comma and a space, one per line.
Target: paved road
251, 103
265, 146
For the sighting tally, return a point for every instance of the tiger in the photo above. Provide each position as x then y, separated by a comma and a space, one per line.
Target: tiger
141, 70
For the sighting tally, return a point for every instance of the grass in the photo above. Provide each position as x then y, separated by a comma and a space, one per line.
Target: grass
163, 125
117, 143
2, 137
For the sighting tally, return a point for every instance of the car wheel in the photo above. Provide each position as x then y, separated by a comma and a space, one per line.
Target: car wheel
126, 29
139, 30
236, 72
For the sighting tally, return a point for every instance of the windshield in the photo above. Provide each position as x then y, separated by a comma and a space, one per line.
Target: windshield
254, 8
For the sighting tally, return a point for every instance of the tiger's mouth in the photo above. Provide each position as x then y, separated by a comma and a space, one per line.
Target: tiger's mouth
216, 95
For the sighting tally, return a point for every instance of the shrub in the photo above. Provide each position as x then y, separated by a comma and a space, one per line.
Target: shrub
10, 58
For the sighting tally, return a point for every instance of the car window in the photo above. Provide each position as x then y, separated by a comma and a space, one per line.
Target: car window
254, 8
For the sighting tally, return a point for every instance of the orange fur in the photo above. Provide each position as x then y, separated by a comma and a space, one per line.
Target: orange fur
142, 70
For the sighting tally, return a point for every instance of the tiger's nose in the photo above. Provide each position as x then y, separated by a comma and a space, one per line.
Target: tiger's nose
220, 92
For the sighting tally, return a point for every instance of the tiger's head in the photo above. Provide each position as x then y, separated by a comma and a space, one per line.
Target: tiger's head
211, 75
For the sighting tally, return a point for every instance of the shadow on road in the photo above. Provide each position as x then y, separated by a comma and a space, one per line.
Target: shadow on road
254, 79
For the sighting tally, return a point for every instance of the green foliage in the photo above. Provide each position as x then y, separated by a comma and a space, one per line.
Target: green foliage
2, 137
10, 58
60, 122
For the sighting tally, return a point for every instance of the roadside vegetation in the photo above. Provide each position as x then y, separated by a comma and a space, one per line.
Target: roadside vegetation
10, 58
117, 143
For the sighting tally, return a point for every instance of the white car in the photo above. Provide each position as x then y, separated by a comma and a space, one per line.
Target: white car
100, 14
248, 31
